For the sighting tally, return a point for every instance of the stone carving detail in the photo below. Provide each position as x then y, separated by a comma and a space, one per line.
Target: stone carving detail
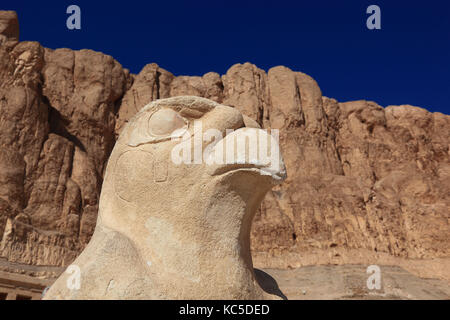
188, 238
366, 183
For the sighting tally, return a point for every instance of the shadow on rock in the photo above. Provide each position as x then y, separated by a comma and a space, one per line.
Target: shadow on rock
268, 284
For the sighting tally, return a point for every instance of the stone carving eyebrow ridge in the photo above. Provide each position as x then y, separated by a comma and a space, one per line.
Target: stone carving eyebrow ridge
194, 113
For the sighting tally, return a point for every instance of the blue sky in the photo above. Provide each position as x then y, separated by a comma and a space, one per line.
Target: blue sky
406, 62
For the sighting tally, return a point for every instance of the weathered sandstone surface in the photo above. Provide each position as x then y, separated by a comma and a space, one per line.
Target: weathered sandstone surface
169, 230
366, 184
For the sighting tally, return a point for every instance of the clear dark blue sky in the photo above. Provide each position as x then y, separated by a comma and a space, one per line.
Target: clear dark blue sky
406, 62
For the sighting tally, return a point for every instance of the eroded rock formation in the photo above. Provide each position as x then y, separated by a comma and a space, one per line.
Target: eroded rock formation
366, 184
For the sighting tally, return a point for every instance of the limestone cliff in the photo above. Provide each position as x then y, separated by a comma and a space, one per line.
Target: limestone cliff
366, 184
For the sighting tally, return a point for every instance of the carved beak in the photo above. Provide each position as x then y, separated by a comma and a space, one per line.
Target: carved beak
248, 149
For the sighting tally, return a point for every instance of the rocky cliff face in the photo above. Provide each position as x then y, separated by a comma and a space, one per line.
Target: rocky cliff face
366, 184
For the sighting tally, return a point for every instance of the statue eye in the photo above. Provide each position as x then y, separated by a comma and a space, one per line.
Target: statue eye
157, 127
164, 121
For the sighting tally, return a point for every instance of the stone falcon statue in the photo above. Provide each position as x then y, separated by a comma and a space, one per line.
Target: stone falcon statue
170, 229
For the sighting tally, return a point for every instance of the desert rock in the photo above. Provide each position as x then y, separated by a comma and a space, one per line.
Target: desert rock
366, 184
